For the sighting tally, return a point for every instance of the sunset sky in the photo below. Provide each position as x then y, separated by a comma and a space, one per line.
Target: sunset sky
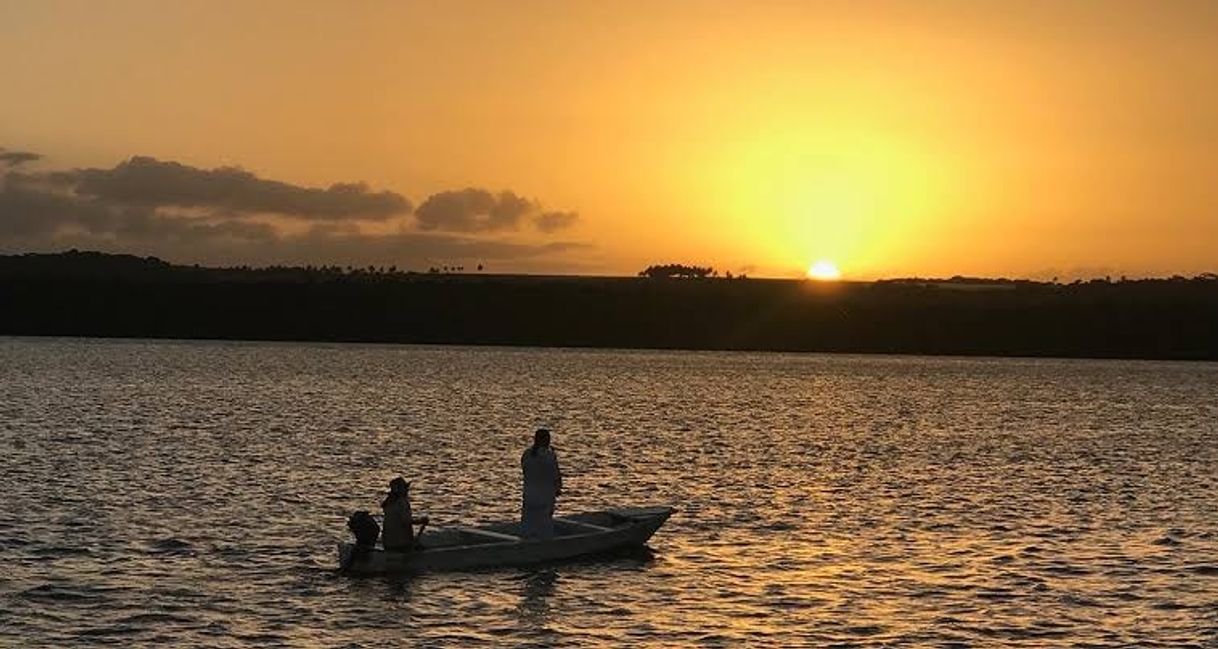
1030, 139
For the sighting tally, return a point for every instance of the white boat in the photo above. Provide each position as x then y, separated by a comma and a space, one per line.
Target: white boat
499, 544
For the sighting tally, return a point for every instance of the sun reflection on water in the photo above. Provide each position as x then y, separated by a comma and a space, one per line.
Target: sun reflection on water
864, 501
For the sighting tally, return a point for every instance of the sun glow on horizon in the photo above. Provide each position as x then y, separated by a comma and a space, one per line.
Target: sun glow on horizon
889, 139
825, 271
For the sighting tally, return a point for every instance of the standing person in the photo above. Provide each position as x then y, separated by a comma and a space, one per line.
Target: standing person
542, 486
398, 535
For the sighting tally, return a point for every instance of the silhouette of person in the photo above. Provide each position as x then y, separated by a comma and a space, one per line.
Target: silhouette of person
398, 533
542, 486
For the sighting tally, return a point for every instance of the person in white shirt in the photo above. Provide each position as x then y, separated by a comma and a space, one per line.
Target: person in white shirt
542, 486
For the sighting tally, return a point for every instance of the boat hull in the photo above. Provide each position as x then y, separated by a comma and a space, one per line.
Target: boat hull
577, 536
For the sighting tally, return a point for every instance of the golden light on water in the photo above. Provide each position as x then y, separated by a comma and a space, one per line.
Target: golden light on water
825, 271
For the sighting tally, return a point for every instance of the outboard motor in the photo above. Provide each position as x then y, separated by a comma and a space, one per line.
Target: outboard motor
364, 526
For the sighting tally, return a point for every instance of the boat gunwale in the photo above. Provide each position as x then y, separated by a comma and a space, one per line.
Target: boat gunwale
500, 544
653, 517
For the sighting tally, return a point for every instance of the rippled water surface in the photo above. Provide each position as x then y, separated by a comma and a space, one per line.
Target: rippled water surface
192, 493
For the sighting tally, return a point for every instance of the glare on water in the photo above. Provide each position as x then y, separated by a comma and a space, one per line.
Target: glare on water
192, 492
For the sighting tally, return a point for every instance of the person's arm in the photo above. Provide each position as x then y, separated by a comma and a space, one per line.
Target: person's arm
418, 536
557, 478
408, 514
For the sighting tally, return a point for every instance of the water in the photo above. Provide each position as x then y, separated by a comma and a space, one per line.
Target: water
192, 492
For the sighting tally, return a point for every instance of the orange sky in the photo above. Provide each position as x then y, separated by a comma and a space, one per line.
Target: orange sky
894, 138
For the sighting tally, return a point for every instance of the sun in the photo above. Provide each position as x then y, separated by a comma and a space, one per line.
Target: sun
825, 271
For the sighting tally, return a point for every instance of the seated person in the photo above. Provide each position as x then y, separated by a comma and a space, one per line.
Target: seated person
398, 534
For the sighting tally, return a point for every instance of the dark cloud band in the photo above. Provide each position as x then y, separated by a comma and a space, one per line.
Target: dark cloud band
473, 210
17, 158
181, 212
479, 210
151, 182
554, 221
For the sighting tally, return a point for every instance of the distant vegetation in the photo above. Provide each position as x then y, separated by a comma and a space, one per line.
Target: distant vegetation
93, 294
677, 270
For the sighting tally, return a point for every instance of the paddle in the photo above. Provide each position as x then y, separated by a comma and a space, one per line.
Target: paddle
418, 538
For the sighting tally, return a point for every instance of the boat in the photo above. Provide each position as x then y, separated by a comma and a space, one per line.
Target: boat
499, 545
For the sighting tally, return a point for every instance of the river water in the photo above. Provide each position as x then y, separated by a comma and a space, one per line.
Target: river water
192, 492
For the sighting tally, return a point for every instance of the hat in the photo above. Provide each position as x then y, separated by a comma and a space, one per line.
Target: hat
399, 482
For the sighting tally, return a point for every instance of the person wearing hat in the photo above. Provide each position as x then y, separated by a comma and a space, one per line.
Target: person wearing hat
542, 486
398, 533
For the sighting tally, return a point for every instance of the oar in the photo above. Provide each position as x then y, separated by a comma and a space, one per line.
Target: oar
418, 538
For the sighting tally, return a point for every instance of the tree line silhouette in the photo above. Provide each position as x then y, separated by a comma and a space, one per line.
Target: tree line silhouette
665, 271
94, 294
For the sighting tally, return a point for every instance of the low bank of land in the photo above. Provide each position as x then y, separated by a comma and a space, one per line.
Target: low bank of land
92, 294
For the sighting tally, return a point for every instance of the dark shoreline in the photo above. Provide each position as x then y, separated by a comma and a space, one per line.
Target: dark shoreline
115, 296
493, 346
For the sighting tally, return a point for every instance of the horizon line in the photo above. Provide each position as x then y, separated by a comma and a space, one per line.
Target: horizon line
459, 271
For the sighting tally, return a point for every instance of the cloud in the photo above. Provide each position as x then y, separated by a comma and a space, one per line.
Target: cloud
479, 210
408, 250
473, 210
28, 212
16, 158
38, 221
32, 214
151, 182
554, 221
230, 216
